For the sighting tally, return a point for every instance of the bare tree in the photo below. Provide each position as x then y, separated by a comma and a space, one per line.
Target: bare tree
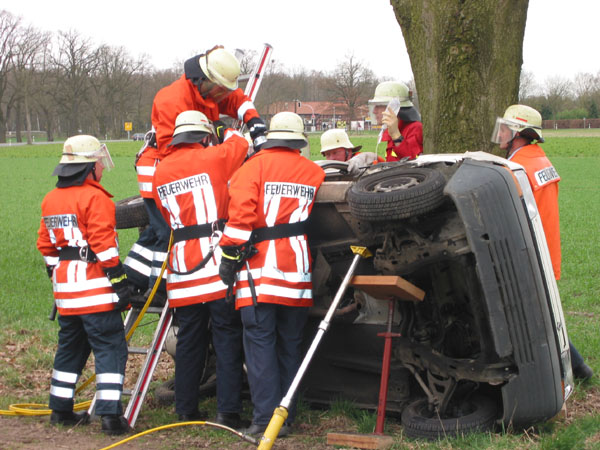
351, 82
9, 26
466, 57
76, 60
528, 87
29, 52
557, 90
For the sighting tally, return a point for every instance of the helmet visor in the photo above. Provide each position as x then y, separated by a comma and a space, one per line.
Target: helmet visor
101, 155
504, 131
214, 91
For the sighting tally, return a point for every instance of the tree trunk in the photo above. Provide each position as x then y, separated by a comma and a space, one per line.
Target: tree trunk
466, 57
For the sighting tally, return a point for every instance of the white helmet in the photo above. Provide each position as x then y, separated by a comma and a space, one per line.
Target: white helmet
217, 65
337, 138
388, 90
286, 130
85, 149
520, 119
191, 127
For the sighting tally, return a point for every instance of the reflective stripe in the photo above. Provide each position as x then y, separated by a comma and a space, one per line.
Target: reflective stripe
115, 378
65, 377
62, 392
51, 260
80, 286
269, 289
84, 302
145, 170
155, 272
194, 291
138, 266
142, 251
159, 256
210, 270
269, 272
145, 187
108, 394
236, 233
108, 254
244, 107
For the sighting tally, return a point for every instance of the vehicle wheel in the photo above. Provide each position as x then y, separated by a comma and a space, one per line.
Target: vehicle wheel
333, 167
131, 213
478, 413
396, 193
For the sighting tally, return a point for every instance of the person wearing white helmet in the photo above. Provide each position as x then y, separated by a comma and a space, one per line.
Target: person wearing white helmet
267, 262
336, 146
209, 85
190, 190
78, 241
404, 130
519, 133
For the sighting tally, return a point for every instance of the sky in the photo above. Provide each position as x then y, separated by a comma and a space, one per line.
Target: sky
561, 38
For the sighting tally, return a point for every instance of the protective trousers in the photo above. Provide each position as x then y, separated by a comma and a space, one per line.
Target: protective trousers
273, 349
103, 334
190, 355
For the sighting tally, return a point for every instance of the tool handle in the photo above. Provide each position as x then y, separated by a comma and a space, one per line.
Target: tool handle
52, 315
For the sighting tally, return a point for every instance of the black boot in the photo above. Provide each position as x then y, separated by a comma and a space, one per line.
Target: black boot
113, 425
232, 420
69, 418
583, 372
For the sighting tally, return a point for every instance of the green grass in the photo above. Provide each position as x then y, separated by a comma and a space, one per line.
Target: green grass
28, 338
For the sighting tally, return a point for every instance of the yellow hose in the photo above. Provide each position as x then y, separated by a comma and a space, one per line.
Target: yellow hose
37, 409
242, 436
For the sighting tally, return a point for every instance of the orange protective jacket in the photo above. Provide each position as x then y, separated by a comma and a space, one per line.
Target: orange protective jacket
145, 167
182, 95
411, 145
190, 188
275, 186
543, 179
80, 216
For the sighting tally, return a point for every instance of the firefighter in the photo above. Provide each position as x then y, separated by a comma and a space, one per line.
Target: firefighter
145, 258
271, 197
404, 130
209, 85
519, 132
190, 190
78, 240
336, 146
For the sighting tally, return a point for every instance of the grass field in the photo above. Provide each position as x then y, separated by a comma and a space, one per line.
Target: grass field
28, 338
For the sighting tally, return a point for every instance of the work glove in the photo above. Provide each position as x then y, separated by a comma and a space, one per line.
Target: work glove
258, 131
390, 120
220, 128
231, 262
357, 163
121, 285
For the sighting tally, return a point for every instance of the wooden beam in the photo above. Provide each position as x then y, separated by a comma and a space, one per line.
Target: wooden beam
386, 286
369, 441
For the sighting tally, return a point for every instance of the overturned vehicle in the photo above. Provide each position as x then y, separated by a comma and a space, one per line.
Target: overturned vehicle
487, 344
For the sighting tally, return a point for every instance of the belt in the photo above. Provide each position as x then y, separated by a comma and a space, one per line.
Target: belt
198, 231
282, 230
77, 253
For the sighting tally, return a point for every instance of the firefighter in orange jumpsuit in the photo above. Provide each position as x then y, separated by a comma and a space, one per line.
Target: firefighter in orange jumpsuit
404, 130
515, 132
209, 85
271, 197
78, 240
190, 190
336, 146
145, 258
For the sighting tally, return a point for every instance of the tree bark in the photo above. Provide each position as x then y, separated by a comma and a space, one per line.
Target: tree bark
466, 57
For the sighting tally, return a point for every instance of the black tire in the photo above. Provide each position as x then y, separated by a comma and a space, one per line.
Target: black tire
396, 193
475, 414
131, 213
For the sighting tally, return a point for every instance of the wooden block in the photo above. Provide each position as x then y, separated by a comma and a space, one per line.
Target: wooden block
371, 441
386, 286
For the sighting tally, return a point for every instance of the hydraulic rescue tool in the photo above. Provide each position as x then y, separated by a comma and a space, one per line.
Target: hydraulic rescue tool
281, 412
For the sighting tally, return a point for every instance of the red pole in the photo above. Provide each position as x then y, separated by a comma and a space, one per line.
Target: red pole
385, 369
